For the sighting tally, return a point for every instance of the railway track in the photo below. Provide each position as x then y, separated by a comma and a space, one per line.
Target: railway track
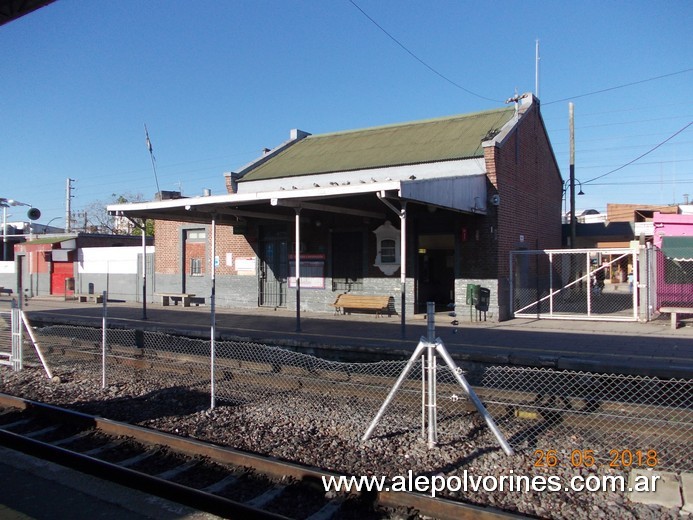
218, 480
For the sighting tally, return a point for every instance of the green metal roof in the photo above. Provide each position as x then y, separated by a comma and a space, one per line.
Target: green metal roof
49, 240
433, 140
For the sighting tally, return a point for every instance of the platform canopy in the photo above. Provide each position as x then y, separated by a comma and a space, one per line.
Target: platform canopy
465, 193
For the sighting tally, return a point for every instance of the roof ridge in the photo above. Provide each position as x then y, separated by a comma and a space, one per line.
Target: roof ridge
411, 123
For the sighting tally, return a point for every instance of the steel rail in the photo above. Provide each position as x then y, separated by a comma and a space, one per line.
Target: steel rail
442, 509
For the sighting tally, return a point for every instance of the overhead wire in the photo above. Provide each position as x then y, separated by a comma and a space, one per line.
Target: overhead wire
618, 87
640, 156
422, 62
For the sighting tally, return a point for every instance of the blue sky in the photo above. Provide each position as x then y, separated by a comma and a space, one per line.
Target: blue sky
217, 81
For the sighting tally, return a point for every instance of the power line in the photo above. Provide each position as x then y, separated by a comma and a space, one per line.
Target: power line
436, 72
619, 86
640, 156
662, 182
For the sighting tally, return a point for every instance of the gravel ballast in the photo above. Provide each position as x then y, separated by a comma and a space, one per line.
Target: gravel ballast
327, 433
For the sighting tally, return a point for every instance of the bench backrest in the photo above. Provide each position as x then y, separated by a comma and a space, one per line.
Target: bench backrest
352, 299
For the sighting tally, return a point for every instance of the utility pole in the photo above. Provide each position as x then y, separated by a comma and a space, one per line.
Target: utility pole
573, 221
68, 203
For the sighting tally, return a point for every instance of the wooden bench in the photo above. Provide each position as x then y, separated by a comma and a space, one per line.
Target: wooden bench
362, 302
6, 291
675, 311
167, 298
83, 298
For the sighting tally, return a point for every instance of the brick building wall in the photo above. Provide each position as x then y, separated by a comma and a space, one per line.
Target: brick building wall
171, 273
525, 175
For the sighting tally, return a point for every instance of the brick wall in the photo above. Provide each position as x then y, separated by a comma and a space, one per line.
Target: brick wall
169, 238
168, 248
527, 179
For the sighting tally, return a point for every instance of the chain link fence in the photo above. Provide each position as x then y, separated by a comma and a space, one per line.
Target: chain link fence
674, 278
6, 338
596, 284
617, 419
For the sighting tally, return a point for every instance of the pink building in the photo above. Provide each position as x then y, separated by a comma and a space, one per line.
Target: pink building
673, 239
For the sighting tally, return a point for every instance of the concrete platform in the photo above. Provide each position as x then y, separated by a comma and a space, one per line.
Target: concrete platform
672, 490
652, 349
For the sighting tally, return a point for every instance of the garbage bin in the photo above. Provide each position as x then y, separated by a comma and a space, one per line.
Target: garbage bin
483, 301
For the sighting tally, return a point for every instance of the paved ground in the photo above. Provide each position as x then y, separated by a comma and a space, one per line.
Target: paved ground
626, 347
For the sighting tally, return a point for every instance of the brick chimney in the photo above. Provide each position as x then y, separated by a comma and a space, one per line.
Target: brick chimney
230, 178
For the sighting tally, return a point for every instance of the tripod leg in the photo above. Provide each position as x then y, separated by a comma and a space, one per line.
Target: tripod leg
410, 364
474, 398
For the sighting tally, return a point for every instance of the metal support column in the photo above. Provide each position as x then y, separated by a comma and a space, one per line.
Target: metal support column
589, 284
403, 266
212, 300
402, 214
431, 376
104, 338
144, 270
550, 284
297, 252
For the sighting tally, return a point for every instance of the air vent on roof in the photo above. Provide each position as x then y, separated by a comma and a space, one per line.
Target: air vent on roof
168, 195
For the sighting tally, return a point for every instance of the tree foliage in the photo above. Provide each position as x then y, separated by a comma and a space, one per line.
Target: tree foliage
95, 218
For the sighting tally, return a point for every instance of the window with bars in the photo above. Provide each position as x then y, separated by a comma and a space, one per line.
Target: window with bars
195, 267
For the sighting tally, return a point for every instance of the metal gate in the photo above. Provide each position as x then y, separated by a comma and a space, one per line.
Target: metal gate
274, 270
11, 344
589, 284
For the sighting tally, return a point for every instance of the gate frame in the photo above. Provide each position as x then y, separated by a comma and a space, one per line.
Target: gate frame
624, 251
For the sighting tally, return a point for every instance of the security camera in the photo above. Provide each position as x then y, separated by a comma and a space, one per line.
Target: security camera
495, 199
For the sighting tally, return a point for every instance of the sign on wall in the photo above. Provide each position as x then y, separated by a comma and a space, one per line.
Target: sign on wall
312, 271
245, 266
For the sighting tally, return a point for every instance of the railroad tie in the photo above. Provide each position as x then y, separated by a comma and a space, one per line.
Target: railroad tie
134, 460
174, 472
327, 511
107, 446
68, 440
21, 422
40, 432
223, 483
262, 500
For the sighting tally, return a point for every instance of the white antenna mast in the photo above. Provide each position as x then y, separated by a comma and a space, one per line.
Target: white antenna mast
536, 70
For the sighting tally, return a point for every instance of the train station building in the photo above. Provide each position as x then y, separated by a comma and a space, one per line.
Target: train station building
415, 211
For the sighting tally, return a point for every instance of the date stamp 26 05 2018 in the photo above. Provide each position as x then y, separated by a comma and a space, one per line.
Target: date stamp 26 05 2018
617, 458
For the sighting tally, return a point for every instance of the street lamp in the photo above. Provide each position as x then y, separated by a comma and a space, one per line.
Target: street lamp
45, 228
570, 185
33, 214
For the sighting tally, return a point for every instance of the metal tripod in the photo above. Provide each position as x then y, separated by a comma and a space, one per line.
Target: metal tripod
433, 347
